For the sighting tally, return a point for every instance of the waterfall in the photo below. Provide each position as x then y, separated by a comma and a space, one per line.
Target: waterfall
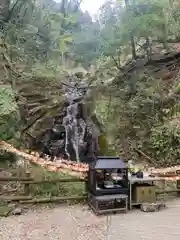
73, 135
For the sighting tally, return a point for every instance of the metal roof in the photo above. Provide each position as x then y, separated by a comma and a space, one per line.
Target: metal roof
107, 162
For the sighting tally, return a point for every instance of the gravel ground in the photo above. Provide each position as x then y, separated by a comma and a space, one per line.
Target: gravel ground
137, 225
62, 223
77, 223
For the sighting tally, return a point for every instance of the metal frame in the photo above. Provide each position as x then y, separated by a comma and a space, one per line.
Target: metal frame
101, 192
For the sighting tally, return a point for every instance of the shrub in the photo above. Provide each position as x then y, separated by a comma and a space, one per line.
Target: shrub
165, 144
9, 115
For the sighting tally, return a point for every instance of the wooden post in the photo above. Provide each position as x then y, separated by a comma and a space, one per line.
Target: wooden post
178, 183
27, 185
178, 187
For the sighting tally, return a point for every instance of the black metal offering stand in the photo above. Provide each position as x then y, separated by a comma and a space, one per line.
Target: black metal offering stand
108, 187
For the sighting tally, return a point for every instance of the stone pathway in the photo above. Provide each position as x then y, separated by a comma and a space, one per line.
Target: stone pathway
77, 223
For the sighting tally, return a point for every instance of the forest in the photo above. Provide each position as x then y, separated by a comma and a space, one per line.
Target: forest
129, 51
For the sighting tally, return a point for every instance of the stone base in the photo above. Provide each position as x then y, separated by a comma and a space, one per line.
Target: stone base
152, 207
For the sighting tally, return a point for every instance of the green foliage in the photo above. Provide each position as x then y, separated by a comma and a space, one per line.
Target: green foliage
59, 189
135, 112
145, 18
137, 104
7, 101
87, 44
9, 115
165, 142
46, 39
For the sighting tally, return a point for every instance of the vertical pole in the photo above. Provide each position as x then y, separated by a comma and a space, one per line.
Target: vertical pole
27, 185
130, 195
178, 183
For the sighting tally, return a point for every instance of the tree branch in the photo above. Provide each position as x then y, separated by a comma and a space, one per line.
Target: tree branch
11, 11
116, 63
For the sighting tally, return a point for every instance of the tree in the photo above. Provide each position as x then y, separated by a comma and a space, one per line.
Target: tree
4, 10
133, 46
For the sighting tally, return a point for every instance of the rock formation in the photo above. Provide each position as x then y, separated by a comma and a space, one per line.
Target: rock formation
73, 134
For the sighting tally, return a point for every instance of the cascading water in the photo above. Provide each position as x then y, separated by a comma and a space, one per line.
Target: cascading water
73, 135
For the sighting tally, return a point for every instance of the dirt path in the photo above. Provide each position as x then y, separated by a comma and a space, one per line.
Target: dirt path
77, 223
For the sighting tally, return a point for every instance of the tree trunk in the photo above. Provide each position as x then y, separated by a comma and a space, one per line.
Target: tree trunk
4, 9
133, 45
165, 31
149, 48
